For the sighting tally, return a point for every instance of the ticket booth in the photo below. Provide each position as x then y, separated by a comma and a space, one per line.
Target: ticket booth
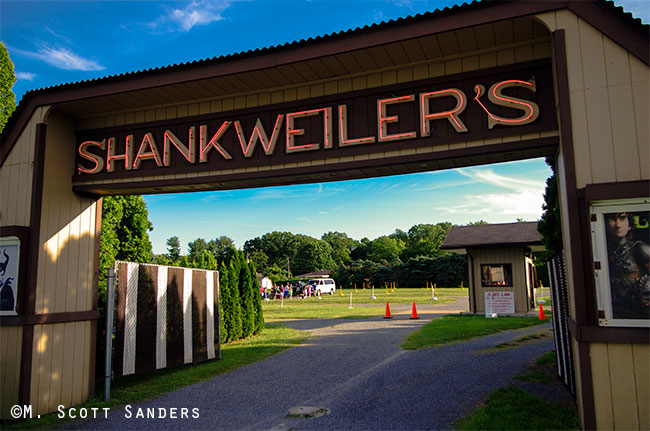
502, 276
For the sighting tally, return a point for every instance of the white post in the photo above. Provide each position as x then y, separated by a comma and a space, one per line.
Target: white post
373, 292
350, 299
433, 290
110, 302
282, 301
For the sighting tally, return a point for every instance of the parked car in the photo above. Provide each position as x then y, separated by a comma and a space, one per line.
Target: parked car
323, 285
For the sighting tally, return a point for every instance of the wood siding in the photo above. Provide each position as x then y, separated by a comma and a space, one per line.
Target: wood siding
15, 210
11, 341
67, 237
65, 279
61, 365
16, 176
609, 104
621, 385
610, 110
513, 256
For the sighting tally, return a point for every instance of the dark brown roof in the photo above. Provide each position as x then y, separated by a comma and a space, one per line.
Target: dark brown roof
493, 235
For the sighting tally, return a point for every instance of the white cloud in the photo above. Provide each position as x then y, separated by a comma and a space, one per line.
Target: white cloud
197, 12
521, 197
63, 58
25, 76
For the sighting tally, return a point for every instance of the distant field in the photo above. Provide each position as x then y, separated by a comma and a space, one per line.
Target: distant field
337, 307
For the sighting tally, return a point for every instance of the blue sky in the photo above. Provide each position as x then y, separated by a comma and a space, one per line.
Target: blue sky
57, 42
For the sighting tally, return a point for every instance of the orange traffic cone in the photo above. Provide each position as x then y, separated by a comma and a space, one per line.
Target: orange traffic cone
414, 313
387, 316
542, 315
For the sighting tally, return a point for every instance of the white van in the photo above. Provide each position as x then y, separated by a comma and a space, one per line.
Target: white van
322, 285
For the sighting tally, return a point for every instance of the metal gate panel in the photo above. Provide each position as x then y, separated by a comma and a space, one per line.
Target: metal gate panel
560, 304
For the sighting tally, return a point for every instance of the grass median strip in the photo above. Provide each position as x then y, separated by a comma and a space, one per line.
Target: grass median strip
449, 329
141, 387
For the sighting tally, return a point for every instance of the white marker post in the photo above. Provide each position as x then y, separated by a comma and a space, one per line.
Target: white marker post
350, 300
433, 290
373, 292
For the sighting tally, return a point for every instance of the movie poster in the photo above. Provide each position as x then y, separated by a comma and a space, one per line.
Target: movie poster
624, 279
9, 256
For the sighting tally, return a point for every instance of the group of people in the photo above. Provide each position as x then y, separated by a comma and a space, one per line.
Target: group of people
277, 292
301, 290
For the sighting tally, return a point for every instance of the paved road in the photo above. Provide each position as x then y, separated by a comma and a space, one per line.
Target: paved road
354, 369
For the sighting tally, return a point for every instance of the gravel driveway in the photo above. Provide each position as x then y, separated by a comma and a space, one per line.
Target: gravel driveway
353, 369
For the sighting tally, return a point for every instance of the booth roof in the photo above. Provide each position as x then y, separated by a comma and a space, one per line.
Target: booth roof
493, 235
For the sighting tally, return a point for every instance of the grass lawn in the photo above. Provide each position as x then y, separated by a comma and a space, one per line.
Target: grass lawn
128, 390
513, 408
336, 306
448, 329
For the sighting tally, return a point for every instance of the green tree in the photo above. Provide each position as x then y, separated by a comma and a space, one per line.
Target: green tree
195, 249
385, 249
109, 243
550, 225
221, 247
132, 232
257, 299
400, 234
235, 320
246, 296
425, 240
312, 255
360, 252
341, 245
260, 259
7, 79
479, 222
207, 261
224, 302
277, 246
173, 248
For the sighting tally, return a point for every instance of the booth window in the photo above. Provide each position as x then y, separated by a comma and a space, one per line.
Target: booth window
499, 274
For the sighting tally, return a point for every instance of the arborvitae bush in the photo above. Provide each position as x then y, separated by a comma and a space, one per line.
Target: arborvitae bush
257, 299
246, 296
234, 331
223, 297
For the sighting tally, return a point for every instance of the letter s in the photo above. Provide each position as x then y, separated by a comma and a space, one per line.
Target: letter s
128, 413
99, 161
531, 110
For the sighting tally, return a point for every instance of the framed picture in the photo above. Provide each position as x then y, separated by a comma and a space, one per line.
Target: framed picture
9, 265
620, 236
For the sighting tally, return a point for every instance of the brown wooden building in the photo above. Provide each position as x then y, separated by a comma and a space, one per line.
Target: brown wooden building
481, 83
499, 259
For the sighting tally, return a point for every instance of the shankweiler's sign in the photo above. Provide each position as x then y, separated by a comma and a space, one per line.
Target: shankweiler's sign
426, 112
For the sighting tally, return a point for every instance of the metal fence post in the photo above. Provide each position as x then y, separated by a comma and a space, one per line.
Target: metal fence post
110, 302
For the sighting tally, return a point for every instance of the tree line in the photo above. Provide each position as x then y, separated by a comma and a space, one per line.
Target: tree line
410, 258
